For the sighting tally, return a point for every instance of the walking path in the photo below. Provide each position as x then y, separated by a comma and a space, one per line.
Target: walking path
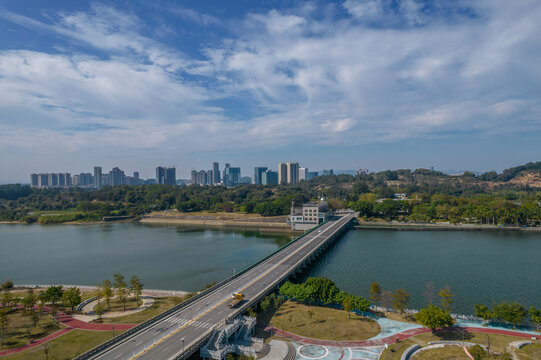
89, 314
71, 324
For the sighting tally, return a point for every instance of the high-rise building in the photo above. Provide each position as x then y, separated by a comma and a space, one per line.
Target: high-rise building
328, 172
231, 175
311, 175
170, 176
75, 180
282, 173
160, 175
64, 179
303, 173
97, 177
257, 174
216, 173
210, 177
85, 179
34, 180
292, 172
117, 177
52, 179
269, 178
194, 177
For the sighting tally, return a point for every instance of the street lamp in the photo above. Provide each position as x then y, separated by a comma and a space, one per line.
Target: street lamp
113, 331
182, 346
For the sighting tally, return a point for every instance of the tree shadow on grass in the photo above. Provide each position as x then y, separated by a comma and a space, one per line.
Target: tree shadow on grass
454, 334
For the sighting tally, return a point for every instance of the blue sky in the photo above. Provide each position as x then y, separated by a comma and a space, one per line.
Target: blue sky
375, 84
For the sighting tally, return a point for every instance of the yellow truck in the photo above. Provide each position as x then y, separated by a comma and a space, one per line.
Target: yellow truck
236, 300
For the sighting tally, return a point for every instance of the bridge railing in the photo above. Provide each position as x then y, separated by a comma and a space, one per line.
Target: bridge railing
133, 331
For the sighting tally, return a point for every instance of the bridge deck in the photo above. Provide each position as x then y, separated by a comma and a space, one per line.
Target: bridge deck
183, 331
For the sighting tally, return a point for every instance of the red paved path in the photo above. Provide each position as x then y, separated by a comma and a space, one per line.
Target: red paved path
71, 324
387, 340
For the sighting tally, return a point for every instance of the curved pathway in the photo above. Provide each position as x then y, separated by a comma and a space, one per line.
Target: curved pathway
71, 324
387, 340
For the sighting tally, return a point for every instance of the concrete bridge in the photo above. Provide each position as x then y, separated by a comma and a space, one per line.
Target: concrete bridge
179, 332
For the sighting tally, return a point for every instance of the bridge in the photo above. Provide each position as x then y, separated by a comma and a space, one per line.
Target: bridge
182, 330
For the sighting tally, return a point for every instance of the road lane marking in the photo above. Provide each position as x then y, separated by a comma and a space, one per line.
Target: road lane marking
265, 273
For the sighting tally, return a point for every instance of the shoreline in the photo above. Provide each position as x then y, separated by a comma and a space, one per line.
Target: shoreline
364, 225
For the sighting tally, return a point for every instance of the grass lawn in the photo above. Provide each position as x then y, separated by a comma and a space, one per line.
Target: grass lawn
116, 305
19, 327
326, 323
530, 352
66, 346
159, 306
498, 343
448, 352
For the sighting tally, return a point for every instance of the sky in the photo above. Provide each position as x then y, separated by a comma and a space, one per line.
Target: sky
377, 84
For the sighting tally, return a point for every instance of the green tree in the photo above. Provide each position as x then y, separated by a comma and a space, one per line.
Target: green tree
483, 312
99, 310
310, 314
136, 288
7, 285
535, 315
477, 352
54, 293
401, 299
447, 298
107, 292
4, 322
513, 312
121, 289
265, 304
35, 319
8, 299
251, 312
434, 317
375, 293
29, 301
53, 313
72, 297
347, 304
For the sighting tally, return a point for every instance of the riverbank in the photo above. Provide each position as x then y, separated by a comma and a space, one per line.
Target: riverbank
220, 220
395, 225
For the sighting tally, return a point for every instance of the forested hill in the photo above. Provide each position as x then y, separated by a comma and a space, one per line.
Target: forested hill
512, 197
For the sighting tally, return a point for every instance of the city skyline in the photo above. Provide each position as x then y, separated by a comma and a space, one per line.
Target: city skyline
330, 84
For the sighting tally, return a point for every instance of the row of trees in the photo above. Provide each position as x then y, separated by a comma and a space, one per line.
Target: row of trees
511, 312
323, 291
119, 288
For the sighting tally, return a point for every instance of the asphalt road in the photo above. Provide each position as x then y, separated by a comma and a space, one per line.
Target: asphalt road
167, 338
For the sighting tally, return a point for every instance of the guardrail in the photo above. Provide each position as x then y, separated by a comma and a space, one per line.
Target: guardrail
84, 303
133, 331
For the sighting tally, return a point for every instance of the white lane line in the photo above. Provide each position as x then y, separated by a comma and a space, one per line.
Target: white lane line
119, 355
165, 348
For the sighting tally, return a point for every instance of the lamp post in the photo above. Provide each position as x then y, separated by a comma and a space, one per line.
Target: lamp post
182, 346
113, 331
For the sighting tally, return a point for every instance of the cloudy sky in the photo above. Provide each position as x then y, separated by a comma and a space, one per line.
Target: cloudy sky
374, 84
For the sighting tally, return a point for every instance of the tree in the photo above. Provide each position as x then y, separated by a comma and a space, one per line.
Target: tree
477, 352
107, 292
401, 299
265, 304
53, 312
72, 297
99, 310
447, 298
7, 285
4, 322
8, 299
54, 293
251, 312
136, 288
434, 317
310, 314
375, 293
121, 289
483, 312
35, 319
535, 315
511, 312
29, 301
42, 299
347, 304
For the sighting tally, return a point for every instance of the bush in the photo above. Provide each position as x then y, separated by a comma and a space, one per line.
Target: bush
477, 352
6, 285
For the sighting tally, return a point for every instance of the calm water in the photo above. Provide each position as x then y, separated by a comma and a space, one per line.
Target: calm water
480, 267
164, 257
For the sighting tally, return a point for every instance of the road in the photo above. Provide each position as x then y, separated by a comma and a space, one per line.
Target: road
167, 338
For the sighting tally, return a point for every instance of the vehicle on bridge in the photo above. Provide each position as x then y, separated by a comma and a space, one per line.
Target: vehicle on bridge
236, 300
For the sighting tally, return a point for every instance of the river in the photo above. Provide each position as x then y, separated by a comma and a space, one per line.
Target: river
480, 267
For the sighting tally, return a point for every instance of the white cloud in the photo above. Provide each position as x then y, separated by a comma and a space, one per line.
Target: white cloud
317, 79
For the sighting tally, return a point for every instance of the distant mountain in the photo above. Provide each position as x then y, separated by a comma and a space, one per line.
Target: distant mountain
511, 173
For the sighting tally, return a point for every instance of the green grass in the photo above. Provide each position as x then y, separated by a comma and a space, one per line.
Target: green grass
530, 352
448, 352
17, 331
498, 343
66, 346
117, 305
326, 323
159, 306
